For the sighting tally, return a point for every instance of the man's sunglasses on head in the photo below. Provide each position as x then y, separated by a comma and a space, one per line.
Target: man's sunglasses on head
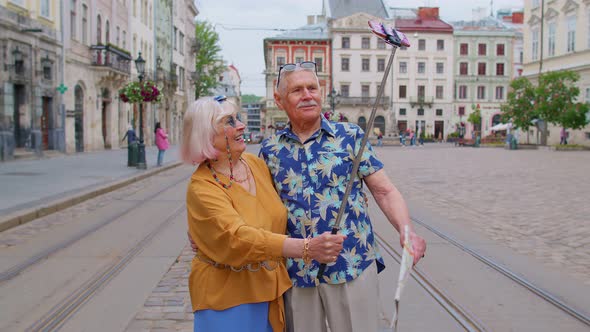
289, 67
220, 99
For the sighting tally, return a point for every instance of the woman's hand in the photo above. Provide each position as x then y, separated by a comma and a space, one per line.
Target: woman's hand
326, 248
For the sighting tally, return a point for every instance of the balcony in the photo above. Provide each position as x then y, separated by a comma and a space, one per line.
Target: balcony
421, 101
354, 101
111, 58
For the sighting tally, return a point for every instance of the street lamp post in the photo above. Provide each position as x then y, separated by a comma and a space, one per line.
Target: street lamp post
333, 95
140, 66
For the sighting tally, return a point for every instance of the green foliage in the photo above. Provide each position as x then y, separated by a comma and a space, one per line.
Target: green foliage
208, 62
553, 100
475, 116
250, 99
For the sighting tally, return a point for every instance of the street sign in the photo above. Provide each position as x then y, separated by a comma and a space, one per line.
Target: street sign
62, 88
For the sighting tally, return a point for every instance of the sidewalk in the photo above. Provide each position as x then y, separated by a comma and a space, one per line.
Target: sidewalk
32, 188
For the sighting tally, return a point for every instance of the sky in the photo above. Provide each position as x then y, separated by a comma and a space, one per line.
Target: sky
242, 26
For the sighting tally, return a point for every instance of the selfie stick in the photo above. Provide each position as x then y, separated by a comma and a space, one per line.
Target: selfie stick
357, 160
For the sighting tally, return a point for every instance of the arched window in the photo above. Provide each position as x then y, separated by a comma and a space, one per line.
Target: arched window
98, 30
107, 34
362, 123
380, 123
496, 119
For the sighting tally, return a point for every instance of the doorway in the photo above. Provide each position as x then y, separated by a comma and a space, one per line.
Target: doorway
46, 121
79, 118
105, 117
439, 132
20, 116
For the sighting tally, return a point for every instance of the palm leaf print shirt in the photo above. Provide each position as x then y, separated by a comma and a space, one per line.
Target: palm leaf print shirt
311, 179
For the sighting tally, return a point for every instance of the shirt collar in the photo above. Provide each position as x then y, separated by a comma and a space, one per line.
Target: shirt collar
325, 126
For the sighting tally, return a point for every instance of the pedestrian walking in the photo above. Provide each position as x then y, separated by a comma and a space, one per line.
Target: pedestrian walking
238, 222
130, 135
161, 142
380, 140
412, 138
563, 136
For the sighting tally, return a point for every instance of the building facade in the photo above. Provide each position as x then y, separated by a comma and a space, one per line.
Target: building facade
308, 43
31, 119
483, 55
424, 75
557, 37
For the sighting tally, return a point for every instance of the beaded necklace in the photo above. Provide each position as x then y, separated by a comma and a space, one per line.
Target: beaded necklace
231, 168
235, 178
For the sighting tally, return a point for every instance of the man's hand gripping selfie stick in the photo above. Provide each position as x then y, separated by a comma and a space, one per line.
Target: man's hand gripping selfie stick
357, 159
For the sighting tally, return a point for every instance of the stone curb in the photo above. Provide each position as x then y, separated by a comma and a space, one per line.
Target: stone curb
25, 215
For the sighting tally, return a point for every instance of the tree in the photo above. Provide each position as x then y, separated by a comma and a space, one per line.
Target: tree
475, 117
250, 99
553, 101
208, 65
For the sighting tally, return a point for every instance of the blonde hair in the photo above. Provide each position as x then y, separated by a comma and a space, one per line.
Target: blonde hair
200, 126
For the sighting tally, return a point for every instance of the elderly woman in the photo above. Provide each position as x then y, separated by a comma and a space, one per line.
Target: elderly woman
238, 222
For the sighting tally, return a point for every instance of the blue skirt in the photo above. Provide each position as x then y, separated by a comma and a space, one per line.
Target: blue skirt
249, 317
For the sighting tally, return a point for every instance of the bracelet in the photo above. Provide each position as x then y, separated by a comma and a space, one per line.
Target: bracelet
305, 254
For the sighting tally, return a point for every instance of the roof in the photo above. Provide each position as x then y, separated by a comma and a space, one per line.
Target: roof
343, 8
422, 24
486, 25
308, 32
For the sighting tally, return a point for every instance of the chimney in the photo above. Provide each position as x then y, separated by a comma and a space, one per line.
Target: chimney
518, 18
428, 12
310, 19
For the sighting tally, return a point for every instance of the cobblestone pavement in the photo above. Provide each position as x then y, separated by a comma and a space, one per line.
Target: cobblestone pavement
533, 201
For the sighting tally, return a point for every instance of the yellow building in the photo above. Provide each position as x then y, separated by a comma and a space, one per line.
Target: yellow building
31, 119
557, 37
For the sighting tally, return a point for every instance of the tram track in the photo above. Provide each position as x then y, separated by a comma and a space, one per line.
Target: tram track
520, 280
17, 269
463, 317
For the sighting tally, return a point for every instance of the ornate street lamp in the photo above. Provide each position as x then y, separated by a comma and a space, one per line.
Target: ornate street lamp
140, 66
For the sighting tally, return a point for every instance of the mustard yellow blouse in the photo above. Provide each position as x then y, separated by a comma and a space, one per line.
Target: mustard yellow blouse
233, 227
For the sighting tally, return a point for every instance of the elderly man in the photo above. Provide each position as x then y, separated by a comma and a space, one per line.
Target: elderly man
310, 162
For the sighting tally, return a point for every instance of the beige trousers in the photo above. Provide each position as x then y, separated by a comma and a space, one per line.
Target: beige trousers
352, 306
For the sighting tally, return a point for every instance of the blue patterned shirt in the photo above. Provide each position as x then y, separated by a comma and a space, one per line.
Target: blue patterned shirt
311, 179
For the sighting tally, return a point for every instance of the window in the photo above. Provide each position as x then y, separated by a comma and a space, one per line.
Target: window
499, 69
500, 49
345, 42
181, 42
551, 40
421, 44
365, 92
174, 38
47, 72
402, 91
461, 110
481, 68
181, 78
402, 111
345, 64
440, 68
439, 92
403, 67
73, 5
134, 8
344, 90
366, 42
421, 67
118, 40
481, 92
365, 64
481, 49
535, 44
98, 30
124, 39
134, 44
319, 64
381, 65
380, 44
45, 8
464, 49
588, 32
439, 112
499, 92
571, 33
462, 91
421, 91
440, 45
463, 68
298, 59
280, 61
420, 111
85, 25
107, 38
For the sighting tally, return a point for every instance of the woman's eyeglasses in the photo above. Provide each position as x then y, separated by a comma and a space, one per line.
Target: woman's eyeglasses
289, 67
